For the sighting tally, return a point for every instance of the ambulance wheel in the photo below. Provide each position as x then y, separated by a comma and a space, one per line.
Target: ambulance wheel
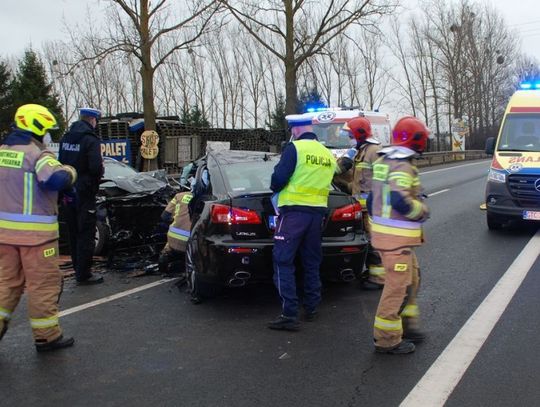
197, 289
101, 238
493, 222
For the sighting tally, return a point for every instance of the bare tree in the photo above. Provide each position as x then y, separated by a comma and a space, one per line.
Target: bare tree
295, 30
139, 28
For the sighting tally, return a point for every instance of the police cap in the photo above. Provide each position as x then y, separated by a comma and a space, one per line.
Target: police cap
88, 111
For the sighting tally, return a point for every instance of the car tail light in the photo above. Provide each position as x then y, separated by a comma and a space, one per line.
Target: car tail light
351, 250
234, 216
348, 212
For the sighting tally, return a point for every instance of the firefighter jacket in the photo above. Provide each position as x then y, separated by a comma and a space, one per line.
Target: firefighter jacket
81, 148
180, 228
363, 170
309, 184
31, 178
394, 203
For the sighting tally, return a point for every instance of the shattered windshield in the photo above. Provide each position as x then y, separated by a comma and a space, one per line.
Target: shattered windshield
115, 169
328, 134
521, 132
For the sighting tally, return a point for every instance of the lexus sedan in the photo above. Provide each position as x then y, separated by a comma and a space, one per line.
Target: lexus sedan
233, 222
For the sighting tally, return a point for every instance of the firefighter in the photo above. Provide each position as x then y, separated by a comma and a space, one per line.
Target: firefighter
359, 132
397, 212
31, 178
302, 177
176, 216
81, 148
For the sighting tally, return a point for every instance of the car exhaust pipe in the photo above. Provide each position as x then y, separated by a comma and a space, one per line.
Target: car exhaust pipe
237, 282
347, 275
242, 275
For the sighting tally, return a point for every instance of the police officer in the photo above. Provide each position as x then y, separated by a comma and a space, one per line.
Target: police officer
302, 177
397, 212
80, 147
31, 178
361, 136
176, 214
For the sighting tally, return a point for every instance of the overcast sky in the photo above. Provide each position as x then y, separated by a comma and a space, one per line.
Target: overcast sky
25, 22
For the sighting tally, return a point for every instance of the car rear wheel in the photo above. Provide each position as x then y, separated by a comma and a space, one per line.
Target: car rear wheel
198, 289
101, 238
494, 222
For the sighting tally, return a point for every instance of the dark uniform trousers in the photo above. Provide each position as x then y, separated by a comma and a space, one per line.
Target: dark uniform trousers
298, 232
82, 218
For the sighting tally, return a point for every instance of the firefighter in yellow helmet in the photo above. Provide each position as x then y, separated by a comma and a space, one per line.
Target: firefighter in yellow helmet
31, 178
397, 212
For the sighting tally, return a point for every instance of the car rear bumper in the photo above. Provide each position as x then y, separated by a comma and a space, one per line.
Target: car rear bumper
236, 263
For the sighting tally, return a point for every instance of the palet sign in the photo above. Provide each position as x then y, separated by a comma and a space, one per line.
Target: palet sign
119, 149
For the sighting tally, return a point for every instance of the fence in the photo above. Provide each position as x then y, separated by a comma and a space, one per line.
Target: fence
442, 157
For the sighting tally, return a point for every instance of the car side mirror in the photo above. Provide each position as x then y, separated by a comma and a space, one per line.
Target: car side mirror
490, 146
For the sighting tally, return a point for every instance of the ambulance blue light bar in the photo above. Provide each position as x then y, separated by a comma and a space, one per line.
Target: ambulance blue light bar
322, 109
529, 85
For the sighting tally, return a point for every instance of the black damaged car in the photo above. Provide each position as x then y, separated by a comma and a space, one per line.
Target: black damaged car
129, 206
233, 223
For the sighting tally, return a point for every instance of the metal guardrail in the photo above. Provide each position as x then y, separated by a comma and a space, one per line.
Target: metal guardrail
443, 157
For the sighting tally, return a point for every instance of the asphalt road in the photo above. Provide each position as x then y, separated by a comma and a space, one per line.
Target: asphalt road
154, 347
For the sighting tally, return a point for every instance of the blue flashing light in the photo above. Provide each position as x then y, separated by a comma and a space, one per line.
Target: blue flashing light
310, 109
525, 85
537, 85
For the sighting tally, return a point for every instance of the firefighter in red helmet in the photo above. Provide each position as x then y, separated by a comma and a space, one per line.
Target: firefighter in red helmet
359, 132
397, 212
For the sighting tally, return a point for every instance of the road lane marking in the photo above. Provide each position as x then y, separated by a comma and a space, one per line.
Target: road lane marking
438, 192
454, 167
439, 381
114, 297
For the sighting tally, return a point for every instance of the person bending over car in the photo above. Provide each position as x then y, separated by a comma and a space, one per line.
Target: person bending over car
176, 215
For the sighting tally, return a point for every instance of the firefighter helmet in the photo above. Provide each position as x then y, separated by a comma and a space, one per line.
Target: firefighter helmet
35, 118
410, 132
360, 128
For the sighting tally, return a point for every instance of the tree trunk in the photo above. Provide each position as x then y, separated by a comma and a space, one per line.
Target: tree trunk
291, 95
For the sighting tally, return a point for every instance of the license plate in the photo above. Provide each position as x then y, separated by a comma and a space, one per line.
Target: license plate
272, 221
531, 215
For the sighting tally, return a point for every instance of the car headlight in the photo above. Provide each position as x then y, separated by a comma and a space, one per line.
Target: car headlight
496, 176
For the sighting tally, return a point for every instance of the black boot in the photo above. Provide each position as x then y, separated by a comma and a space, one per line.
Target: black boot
413, 335
401, 348
4, 330
371, 286
58, 343
283, 323
93, 279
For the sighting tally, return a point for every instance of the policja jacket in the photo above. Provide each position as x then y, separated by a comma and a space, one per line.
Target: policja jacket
395, 204
31, 178
81, 148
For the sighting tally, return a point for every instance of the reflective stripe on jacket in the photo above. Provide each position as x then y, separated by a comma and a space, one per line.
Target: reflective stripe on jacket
28, 213
312, 177
363, 169
391, 229
179, 230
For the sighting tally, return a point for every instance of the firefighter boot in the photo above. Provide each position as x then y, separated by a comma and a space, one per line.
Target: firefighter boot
59, 343
411, 331
4, 329
401, 348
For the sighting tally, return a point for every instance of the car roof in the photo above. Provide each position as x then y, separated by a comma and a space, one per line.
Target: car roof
225, 157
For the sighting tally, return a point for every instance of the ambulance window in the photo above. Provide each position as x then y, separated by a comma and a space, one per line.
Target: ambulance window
521, 132
328, 135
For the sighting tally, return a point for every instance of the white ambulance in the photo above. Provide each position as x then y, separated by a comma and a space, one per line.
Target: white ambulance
327, 123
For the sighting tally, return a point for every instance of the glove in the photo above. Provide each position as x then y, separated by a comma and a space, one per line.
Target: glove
69, 197
345, 163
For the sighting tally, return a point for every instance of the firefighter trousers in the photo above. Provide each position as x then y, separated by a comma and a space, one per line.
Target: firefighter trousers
373, 260
34, 268
397, 307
